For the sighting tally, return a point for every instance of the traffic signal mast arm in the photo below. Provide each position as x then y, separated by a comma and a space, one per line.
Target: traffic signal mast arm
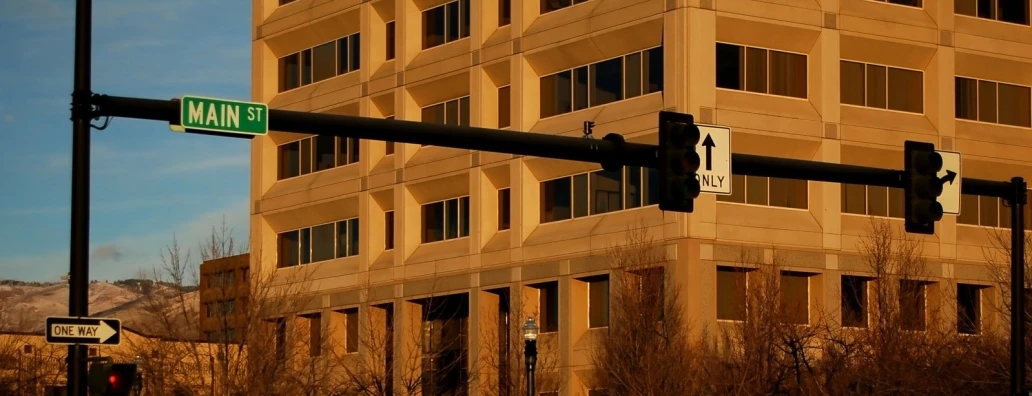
610, 151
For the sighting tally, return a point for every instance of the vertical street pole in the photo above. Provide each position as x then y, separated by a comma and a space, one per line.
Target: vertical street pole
1017, 202
78, 295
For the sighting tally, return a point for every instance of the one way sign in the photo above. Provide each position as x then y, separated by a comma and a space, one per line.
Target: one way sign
84, 331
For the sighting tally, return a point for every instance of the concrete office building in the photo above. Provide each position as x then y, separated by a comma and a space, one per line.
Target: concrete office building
840, 81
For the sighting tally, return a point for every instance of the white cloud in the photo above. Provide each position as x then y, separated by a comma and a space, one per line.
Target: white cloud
136, 251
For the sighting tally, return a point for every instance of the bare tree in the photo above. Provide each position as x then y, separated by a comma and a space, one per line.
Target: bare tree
646, 349
774, 347
252, 349
503, 364
431, 357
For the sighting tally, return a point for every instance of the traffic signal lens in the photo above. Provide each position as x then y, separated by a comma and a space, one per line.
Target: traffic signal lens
690, 161
691, 135
927, 162
692, 188
113, 380
676, 131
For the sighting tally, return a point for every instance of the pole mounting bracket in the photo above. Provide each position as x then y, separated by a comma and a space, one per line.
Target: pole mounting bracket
612, 163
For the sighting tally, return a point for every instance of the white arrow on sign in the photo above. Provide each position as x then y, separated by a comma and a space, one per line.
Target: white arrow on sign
950, 177
101, 332
714, 150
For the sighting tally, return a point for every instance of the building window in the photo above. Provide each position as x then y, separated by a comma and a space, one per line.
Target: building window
548, 306
987, 211
598, 192
882, 87
351, 330
504, 205
319, 243
854, 301
281, 339
912, 304
911, 3
390, 40
388, 230
598, 301
504, 106
731, 284
327, 60
445, 23
761, 70
390, 145
969, 309
993, 102
314, 334
448, 219
452, 112
795, 297
1012, 11
611, 80
504, 12
872, 200
316, 153
767, 191
553, 5
285, 2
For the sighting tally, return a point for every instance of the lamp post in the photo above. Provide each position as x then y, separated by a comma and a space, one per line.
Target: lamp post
139, 374
530, 333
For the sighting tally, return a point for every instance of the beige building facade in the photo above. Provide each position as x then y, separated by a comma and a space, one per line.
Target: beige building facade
839, 81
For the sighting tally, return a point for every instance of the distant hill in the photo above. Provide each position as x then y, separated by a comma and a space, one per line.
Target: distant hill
25, 305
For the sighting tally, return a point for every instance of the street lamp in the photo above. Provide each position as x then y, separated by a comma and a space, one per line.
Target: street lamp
139, 374
530, 333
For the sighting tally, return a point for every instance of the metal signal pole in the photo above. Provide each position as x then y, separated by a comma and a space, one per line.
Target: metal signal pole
78, 295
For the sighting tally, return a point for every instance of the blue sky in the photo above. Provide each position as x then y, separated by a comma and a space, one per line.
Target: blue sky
148, 183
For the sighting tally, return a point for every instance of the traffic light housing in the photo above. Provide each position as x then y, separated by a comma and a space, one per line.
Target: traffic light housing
922, 187
678, 162
112, 379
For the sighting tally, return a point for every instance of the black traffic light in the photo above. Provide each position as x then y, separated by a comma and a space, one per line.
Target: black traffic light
922, 187
112, 379
678, 162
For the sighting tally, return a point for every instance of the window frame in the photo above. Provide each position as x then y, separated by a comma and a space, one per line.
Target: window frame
542, 10
744, 271
336, 242
767, 68
921, 6
745, 197
996, 18
312, 155
311, 50
623, 88
978, 95
924, 107
867, 200
444, 219
444, 38
1000, 204
391, 49
625, 170
865, 304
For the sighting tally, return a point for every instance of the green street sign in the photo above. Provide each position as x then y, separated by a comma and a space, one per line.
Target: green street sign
226, 116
